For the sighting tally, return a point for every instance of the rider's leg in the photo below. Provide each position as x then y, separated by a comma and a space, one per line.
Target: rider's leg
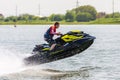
52, 43
52, 46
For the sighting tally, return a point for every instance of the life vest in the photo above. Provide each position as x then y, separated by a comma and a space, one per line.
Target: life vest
48, 33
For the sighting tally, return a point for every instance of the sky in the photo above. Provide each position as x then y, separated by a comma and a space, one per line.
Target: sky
47, 7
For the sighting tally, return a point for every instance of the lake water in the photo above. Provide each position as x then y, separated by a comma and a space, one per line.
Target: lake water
99, 62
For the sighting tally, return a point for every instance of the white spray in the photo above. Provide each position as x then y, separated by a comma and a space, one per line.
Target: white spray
9, 61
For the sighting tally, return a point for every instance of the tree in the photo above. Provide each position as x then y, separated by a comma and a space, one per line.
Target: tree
83, 17
69, 16
51, 17
115, 15
23, 17
108, 16
56, 17
87, 9
6, 20
28, 17
11, 18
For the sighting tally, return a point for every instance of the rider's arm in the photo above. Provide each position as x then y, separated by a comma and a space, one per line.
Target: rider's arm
53, 31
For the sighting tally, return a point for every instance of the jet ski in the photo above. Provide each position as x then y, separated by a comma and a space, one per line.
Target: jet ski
69, 44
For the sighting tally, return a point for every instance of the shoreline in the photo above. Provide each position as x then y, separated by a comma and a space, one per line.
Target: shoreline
101, 21
65, 24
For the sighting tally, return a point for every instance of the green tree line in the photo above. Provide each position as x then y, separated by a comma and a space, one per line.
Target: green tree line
84, 13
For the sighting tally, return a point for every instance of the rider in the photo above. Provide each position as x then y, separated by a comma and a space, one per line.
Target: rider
48, 36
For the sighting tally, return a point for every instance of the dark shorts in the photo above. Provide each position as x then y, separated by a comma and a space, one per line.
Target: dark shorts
50, 41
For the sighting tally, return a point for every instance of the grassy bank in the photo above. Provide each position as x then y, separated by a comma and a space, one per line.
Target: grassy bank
106, 21
97, 21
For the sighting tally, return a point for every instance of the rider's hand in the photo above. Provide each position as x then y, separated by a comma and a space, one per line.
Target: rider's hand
59, 33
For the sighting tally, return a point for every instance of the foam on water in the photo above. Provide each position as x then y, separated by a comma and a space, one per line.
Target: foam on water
9, 61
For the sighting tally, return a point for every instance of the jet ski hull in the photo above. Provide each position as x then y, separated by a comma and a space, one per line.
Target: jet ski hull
62, 52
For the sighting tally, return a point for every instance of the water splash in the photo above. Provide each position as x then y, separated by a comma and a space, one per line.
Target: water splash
9, 61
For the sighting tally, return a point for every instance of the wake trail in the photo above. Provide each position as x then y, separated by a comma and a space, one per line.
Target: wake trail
34, 72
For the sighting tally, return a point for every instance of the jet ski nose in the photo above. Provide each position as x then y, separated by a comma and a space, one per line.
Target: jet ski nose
93, 37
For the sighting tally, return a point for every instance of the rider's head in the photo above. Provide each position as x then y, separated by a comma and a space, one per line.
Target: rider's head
57, 24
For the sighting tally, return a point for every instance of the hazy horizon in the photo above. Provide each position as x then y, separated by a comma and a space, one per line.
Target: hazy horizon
47, 7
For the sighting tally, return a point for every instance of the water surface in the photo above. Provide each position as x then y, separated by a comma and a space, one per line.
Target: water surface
99, 62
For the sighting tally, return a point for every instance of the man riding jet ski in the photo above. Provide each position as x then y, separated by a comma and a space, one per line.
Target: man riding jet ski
67, 45
48, 36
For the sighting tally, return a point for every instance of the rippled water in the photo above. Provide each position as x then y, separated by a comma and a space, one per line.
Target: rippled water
99, 62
